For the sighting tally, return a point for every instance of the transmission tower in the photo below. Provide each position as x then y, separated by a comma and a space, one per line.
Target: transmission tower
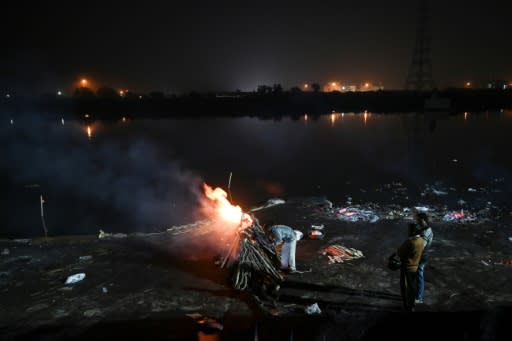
420, 71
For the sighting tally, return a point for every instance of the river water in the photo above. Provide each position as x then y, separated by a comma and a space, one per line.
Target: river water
146, 174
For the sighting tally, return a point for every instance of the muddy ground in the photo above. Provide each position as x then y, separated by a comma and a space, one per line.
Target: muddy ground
143, 286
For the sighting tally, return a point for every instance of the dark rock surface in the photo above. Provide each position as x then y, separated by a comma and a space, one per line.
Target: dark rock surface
142, 286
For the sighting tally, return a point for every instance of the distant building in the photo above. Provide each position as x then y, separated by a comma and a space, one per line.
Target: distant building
498, 84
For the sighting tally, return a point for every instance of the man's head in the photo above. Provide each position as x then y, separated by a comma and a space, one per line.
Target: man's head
422, 219
267, 225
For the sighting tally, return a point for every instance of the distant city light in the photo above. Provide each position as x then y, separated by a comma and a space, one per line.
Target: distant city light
306, 85
305, 117
468, 84
140, 97
124, 119
62, 121
343, 87
466, 115
121, 93
59, 93
12, 121
7, 95
333, 83
84, 82
366, 85
86, 115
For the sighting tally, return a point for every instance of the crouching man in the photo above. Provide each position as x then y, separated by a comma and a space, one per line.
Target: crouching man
285, 235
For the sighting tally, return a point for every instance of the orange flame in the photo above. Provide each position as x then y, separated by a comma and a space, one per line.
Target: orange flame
224, 209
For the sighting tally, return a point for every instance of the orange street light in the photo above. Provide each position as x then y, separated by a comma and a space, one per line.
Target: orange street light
83, 82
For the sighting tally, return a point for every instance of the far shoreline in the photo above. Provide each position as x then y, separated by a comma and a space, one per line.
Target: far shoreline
271, 105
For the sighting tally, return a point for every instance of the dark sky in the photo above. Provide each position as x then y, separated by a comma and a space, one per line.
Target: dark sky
228, 45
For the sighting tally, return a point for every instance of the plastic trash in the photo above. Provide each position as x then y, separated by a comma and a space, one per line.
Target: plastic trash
75, 278
313, 309
314, 234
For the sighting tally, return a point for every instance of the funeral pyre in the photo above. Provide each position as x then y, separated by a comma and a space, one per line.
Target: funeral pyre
251, 255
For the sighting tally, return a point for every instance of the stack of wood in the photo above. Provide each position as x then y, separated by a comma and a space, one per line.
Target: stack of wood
256, 260
340, 253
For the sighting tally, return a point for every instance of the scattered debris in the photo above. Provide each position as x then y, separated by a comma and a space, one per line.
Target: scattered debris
340, 253
92, 312
194, 316
85, 258
510, 239
75, 278
269, 203
423, 209
459, 216
485, 263
354, 214
5, 252
471, 189
104, 234
313, 309
298, 234
209, 324
317, 227
315, 234
104, 290
37, 307
23, 241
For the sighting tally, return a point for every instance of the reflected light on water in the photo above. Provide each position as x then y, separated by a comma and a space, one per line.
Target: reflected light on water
466, 115
62, 121
89, 132
306, 117
333, 119
365, 116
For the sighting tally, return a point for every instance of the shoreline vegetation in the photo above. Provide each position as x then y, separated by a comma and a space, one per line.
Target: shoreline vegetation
110, 105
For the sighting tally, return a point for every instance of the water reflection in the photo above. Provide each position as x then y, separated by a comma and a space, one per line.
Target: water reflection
89, 132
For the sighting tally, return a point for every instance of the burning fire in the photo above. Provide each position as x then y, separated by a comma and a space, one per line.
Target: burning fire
224, 209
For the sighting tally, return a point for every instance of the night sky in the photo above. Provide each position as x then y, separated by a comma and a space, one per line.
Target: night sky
221, 45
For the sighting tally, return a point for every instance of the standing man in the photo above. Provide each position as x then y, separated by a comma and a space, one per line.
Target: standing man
410, 254
286, 235
427, 235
